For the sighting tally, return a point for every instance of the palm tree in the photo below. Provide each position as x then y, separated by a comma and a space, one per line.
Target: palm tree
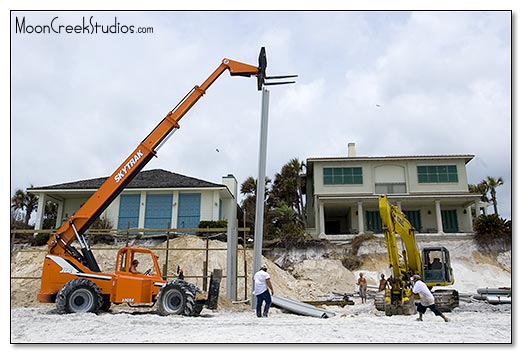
249, 189
26, 202
492, 183
481, 189
287, 187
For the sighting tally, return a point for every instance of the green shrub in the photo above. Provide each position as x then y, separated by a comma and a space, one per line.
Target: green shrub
211, 224
41, 239
492, 232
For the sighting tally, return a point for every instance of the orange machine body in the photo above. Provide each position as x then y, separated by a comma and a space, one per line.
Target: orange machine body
122, 286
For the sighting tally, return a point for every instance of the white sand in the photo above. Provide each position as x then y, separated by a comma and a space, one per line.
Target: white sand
472, 322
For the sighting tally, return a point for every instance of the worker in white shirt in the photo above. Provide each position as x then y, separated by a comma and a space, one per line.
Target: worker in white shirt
427, 301
262, 284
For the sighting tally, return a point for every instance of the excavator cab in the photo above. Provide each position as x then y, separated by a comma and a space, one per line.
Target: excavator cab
436, 267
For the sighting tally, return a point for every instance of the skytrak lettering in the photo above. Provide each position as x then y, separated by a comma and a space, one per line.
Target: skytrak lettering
128, 166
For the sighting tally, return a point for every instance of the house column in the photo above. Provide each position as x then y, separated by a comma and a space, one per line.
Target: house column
399, 205
360, 217
477, 208
321, 218
143, 204
40, 211
231, 281
438, 215
470, 218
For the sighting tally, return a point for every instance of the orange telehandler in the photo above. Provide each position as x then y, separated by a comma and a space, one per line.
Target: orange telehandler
73, 279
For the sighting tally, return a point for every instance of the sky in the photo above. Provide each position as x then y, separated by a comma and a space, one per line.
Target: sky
393, 82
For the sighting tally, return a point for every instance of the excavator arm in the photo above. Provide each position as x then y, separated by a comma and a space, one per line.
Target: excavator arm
74, 228
394, 222
399, 298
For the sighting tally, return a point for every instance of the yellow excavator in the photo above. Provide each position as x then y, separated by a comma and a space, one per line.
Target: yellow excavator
432, 264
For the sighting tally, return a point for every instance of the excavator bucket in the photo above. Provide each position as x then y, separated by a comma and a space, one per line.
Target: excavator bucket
213, 289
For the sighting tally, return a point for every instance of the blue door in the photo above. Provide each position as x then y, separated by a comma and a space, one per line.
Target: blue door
189, 210
450, 222
129, 213
373, 221
158, 211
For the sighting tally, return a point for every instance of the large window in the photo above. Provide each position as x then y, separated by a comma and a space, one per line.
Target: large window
437, 174
342, 175
390, 188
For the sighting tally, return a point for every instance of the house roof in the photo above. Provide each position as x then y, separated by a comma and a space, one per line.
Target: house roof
467, 158
145, 179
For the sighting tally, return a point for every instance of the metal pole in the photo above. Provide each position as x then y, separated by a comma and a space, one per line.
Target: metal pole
260, 195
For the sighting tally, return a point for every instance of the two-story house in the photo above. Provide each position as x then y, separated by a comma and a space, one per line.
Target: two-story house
342, 193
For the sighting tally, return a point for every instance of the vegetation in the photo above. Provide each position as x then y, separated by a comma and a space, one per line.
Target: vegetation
22, 206
284, 214
493, 233
100, 225
488, 185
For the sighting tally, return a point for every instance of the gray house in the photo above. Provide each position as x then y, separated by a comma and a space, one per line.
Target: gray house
154, 199
342, 193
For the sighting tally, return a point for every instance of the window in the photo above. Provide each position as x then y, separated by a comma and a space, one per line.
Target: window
342, 175
390, 188
437, 174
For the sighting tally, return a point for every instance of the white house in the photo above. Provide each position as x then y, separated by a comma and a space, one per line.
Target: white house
154, 199
342, 193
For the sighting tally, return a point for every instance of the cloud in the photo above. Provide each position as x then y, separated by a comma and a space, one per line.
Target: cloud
394, 82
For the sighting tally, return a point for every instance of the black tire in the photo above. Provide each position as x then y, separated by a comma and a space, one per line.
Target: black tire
106, 305
176, 298
79, 295
197, 309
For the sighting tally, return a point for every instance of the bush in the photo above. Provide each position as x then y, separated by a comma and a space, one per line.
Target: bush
102, 223
493, 233
212, 224
41, 239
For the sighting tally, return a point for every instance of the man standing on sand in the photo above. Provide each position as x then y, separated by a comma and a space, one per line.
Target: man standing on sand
362, 287
383, 283
261, 285
426, 298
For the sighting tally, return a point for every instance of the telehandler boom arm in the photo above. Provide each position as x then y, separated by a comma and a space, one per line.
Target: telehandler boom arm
74, 228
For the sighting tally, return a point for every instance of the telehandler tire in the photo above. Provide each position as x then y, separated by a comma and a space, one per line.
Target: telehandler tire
79, 295
176, 298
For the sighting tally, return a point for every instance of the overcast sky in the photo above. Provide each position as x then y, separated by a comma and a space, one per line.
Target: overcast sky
393, 82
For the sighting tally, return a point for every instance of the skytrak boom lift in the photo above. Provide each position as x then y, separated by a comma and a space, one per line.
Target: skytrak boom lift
73, 280
398, 298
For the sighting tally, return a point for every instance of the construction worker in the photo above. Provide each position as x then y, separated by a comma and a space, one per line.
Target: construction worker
262, 284
427, 301
361, 282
